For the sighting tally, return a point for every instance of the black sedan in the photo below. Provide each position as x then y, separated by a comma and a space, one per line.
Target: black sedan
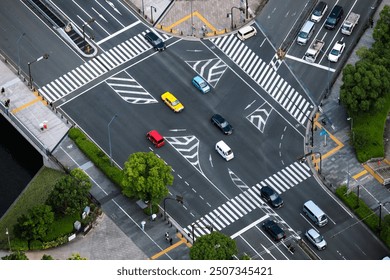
157, 43
222, 124
272, 197
276, 232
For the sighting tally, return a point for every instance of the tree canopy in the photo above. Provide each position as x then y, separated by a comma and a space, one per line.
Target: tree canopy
18, 255
213, 246
366, 84
35, 224
70, 193
146, 177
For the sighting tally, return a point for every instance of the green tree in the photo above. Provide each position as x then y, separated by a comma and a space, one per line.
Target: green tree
18, 255
381, 32
70, 193
146, 177
46, 257
76, 257
363, 86
213, 246
35, 224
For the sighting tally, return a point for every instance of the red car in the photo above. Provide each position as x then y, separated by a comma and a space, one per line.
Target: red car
155, 138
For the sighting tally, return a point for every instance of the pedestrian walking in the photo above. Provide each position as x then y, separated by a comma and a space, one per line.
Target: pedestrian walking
2, 90
371, 22
167, 236
170, 240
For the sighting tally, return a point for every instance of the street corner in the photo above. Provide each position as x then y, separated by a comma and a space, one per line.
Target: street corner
176, 244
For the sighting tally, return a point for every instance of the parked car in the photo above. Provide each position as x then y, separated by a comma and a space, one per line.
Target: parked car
319, 11
336, 51
155, 138
316, 239
271, 197
157, 43
276, 232
172, 102
201, 84
222, 124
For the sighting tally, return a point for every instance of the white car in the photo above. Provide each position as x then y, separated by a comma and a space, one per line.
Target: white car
316, 239
336, 51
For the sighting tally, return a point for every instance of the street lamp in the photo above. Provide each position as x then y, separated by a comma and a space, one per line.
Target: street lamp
9, 242
109, 136
151, 12
45, 56
231, 15
17, 43
91, 20
353, 133
178, 199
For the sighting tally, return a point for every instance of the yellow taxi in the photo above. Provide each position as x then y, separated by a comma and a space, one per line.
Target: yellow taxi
172, 102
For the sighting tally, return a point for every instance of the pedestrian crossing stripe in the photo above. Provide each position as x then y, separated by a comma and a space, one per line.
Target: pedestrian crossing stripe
249, 199
97, 66
266, 76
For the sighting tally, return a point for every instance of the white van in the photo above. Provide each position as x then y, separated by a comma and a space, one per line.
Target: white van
224, 150
246, 32
315, 213
305, 33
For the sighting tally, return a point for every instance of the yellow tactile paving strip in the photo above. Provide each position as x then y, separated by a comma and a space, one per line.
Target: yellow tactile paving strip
28, 104
171, 28
181, 241
372, 172
339, 146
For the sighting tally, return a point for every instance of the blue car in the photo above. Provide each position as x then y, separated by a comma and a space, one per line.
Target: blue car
200, 84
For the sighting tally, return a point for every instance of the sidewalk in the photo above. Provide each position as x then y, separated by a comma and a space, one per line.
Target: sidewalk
197, 18
338, 156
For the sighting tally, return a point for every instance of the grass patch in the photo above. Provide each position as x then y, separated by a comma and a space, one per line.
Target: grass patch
62, 226
369, 130
34, 194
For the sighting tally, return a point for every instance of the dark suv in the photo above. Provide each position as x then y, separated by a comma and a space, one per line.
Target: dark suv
334, 17
157, 43
271, 197
276, 232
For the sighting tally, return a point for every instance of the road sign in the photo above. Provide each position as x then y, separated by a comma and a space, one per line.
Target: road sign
323, 132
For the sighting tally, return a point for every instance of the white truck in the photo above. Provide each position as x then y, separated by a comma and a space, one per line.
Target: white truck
350, 23
313, 51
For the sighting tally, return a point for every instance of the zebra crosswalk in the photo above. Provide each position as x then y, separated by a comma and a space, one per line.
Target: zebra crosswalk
249, 199
97, 66
265, 74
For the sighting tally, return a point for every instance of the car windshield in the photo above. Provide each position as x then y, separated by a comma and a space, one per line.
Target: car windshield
224, 124
302, 34
331, 20
318, 238
273, 197
335, 52
175, 102
158, 41
202, 84
323, 218
317, 13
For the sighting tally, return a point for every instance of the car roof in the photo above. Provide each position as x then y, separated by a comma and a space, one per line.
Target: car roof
152, 35
267, 189
313, 233
157, 136
218, 117
320, 6
198, 78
